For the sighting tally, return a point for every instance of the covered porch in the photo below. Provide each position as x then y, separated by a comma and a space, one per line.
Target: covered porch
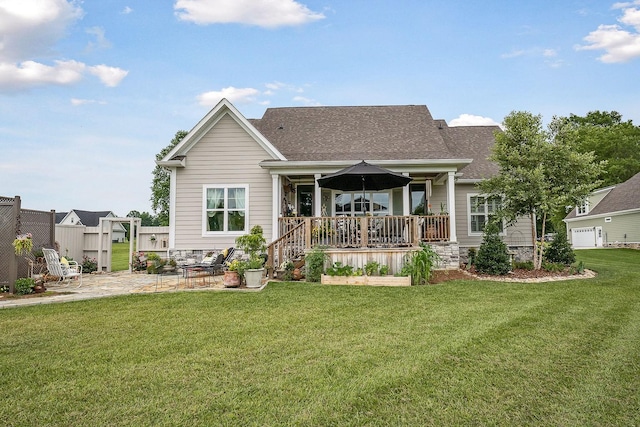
355, 240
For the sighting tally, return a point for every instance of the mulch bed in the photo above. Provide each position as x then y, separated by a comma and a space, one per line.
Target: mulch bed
518, 275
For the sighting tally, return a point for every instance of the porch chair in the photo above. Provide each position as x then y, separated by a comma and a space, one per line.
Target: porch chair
62, 270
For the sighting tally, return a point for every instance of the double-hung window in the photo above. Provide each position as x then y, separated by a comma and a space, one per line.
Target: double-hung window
583, 208
225, 209
481, 209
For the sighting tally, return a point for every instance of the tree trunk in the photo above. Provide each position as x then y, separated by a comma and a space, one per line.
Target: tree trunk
544, 222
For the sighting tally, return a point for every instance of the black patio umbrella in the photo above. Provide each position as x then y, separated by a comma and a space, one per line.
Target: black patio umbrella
363, 176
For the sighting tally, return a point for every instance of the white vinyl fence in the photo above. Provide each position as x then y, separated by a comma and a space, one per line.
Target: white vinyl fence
77, 241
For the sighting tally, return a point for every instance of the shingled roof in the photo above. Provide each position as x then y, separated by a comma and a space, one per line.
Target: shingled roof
90, 218
347, 133
622, 197
474, 142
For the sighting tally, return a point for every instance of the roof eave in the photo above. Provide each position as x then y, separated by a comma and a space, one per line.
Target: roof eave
327, 166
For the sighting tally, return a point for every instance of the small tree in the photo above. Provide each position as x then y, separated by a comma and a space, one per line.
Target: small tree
560, 250
160, 184
254, 245
493, 257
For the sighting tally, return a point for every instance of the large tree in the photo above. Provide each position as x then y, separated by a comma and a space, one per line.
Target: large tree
610, 138
161, 182
540, 171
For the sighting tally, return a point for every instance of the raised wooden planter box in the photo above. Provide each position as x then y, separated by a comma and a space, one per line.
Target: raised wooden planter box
366, 280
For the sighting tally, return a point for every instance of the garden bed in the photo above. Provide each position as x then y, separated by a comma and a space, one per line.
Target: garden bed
366, 280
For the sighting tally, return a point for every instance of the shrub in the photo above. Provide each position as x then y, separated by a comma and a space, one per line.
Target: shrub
24, 286
493, 257
337, 269
314, 261
384, 270
553, 267
372, 268
418, 264
560, 250
471, 253
523, 265
89, 265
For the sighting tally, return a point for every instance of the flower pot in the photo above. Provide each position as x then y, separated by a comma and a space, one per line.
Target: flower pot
231, 279
253, 277
297, 274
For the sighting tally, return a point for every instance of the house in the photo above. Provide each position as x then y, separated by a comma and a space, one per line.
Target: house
91, 219
609, 216
230, 173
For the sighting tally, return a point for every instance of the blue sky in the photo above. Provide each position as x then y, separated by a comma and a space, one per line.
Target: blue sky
91, 90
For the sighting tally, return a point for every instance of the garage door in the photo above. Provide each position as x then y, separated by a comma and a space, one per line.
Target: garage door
584, 237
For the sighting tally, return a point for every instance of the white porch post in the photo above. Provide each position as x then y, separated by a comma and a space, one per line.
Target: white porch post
451, 206
275, 210
318, 197
406, 203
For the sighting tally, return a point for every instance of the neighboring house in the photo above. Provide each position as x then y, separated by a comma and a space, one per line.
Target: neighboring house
610, 216
230, 173
91, 219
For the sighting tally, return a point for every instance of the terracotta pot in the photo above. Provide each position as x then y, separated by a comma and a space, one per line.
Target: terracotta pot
231, 279
38, 289
297, 274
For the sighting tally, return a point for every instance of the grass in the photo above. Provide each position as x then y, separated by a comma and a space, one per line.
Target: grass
120, 256
459, 353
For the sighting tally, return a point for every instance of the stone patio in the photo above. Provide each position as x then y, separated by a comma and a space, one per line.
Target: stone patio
120, 283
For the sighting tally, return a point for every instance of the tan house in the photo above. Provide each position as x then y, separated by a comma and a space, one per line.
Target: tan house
230, 173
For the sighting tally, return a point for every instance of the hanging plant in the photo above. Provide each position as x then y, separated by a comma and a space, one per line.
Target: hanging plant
23, 244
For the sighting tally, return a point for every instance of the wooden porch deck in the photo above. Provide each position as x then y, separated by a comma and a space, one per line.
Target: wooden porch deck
298, 234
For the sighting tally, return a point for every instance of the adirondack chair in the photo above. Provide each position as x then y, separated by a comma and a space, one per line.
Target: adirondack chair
63, 271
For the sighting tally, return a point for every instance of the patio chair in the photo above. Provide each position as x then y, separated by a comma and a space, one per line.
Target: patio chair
64, 271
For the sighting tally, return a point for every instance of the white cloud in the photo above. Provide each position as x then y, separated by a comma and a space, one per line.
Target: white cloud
109, 76
261, 13
513, 54
127, 10
471, 120
101, 41
77, 102
618, 44
306, 101
549, 53
15, 77
31, 28
234, 95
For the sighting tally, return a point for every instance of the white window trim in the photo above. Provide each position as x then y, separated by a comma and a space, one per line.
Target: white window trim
335, 193
226, 232
583, 208
475, 233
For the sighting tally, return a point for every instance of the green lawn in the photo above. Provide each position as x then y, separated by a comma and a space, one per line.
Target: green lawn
460, 353
120, 256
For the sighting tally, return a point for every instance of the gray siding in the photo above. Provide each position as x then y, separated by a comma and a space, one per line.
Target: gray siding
225, 155
614, 231
518, 234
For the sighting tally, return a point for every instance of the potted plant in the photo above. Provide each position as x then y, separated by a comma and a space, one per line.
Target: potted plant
253, 245
232, 274
23, 244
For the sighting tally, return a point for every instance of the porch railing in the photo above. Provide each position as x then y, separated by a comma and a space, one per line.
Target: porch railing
300, 233
368, 232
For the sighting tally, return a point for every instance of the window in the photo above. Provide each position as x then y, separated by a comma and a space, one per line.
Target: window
351, 204
480, 210
583, 208
225, 209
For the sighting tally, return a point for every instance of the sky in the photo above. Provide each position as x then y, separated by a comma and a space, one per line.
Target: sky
91, 90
